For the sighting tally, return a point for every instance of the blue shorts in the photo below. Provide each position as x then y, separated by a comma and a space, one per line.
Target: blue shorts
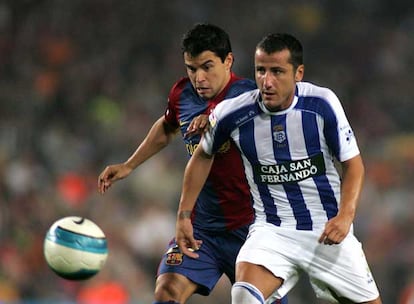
217, 256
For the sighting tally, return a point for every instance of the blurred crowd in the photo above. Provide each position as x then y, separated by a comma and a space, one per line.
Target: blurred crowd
81, 82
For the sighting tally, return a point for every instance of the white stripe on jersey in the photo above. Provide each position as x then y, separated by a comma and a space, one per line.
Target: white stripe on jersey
288, 155
297, 151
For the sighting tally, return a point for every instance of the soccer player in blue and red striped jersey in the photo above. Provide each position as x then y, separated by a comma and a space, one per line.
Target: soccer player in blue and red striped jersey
223, 211
289, 133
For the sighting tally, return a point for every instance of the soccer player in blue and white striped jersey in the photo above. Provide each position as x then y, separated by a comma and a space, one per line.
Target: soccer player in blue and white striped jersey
289, 134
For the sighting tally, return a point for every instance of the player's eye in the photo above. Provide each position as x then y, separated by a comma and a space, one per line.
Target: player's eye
207, 67
260, 70
278, 71
191, 69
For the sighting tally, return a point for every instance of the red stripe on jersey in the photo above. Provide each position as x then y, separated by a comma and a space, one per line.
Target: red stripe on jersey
227, 176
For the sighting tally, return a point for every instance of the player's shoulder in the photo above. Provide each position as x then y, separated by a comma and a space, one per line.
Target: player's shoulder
318, 98
180, 86
246, 83
239, 85
237, 103
181, 83
312, 90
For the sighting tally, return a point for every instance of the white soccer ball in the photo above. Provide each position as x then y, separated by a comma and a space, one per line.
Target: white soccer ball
75, 248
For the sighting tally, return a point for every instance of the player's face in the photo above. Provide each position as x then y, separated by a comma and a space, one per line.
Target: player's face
276, 78
207, 73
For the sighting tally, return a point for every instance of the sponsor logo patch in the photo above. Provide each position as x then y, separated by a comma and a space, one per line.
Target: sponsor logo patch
290, 172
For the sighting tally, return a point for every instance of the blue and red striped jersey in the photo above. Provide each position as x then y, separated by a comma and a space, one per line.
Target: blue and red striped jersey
225, 201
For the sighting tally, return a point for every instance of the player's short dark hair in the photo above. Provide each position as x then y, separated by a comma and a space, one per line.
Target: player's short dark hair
281, 41
206, 37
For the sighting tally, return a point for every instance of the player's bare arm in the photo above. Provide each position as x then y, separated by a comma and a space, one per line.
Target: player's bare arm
158, 137
338, 227
195, 175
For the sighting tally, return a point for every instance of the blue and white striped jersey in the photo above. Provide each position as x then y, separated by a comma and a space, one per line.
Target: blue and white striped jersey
289, 155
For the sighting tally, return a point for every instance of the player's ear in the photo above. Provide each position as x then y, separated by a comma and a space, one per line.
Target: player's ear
300, 72
228, 61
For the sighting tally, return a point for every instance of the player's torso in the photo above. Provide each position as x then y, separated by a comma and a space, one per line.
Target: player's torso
291, 164
295, 184
224, 202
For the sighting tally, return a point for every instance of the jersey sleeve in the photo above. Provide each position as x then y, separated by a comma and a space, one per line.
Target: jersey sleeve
338, 131
226, 119
217, 133
207, 140
171, 112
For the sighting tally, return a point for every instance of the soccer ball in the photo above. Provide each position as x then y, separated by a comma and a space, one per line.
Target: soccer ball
75, 248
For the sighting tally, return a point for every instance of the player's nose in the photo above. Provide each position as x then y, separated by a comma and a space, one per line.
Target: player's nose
267, 80
200, 76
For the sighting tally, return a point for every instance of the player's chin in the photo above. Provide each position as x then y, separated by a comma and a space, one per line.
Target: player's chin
272, 105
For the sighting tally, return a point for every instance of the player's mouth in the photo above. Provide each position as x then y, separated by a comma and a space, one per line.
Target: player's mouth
202, 91
267, 94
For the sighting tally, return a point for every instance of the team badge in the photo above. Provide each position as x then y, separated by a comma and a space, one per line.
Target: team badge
279, 134
174, 256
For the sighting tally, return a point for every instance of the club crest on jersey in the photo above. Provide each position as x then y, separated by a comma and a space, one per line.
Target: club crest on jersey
279, 134
173, 256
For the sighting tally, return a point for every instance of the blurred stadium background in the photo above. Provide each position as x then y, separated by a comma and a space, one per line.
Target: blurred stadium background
81, 82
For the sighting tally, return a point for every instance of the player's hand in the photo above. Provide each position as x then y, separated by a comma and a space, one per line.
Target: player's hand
336, 229
198, 125
185, 239
110, 175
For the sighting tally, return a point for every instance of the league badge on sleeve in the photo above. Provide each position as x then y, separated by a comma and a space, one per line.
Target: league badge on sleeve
348, 134
212, 119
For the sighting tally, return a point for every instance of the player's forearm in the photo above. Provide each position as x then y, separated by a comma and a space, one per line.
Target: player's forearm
157, 139
195, 176
352, 181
